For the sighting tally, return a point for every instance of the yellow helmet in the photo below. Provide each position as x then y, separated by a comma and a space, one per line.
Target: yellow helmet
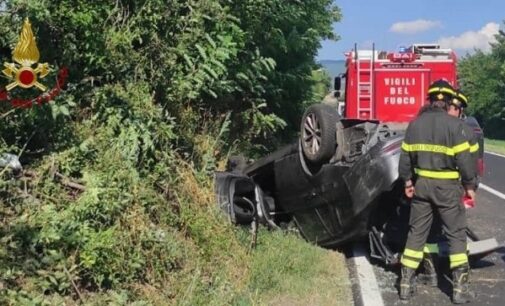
441, 90
460, 100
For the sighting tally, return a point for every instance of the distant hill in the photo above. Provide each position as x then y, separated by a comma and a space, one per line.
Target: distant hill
334, 67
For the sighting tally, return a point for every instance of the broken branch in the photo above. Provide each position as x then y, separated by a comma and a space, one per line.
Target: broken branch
65, 181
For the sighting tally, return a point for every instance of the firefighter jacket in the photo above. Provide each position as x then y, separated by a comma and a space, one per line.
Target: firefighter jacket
436, 146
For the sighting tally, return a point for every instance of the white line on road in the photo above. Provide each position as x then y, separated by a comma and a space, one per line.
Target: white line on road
492, 153
369, 289
491, 190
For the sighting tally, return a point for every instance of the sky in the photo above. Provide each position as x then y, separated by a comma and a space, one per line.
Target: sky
462, 25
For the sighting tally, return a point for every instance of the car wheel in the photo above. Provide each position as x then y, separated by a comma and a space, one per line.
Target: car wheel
318, 133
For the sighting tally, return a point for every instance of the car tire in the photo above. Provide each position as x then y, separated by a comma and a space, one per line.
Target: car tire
318, 133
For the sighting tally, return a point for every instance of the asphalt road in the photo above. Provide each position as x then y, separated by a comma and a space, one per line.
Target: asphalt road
487, 220
494, 172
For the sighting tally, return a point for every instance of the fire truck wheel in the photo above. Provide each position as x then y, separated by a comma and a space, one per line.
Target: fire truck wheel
318, 133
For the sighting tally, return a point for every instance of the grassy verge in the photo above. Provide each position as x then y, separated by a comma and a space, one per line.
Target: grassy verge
285, 270
494, 145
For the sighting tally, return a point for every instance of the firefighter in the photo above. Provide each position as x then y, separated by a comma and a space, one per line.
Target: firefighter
456, 108
435, 154
430, 259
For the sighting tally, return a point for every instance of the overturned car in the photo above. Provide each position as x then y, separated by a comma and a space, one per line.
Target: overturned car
338, 183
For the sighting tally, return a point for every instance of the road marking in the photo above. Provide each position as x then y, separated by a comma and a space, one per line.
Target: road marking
369, 289
491, 190
496, 154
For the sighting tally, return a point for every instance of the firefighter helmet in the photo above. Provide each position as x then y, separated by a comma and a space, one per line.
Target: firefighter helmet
459, 100
441, 90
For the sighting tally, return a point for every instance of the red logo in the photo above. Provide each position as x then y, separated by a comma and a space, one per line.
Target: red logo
402, 57
26, 71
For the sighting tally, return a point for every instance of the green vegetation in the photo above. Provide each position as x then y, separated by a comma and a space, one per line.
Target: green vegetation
494, 145
313, 277
482, 77
116, 204
322, 85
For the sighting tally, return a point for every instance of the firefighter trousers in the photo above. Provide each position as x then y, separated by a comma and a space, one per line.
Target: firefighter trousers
443, 197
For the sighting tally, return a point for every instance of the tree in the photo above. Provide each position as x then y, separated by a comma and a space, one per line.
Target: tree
289, 32
482, 78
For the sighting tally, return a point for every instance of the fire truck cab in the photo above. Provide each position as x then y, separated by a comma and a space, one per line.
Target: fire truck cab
392, 86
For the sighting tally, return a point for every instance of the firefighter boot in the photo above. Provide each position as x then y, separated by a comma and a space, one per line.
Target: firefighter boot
460, 292
429, 275
407, 283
